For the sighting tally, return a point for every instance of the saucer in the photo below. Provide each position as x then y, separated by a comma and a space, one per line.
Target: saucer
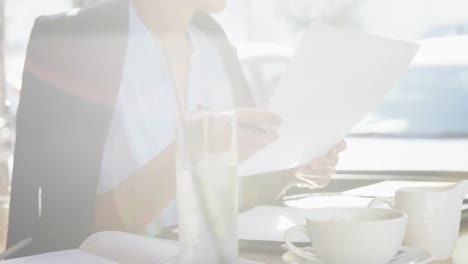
175, 260
409, 255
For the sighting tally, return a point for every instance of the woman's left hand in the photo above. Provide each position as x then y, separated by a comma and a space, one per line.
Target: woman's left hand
318, 172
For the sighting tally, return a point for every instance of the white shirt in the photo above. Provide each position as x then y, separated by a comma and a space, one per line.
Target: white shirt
143, 122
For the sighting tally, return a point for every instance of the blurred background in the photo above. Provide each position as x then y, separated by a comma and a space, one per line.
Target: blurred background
420, 129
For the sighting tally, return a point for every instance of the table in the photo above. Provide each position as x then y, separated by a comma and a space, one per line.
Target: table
460, 255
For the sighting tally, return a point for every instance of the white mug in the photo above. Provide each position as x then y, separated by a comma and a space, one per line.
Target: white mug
351, 235
433, 216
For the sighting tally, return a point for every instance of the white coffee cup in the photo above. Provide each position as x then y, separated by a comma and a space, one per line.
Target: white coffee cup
351, 235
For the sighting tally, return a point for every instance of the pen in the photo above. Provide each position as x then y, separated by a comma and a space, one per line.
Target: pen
251, 127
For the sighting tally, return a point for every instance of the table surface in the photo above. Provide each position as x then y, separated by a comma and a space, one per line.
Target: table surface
460, 255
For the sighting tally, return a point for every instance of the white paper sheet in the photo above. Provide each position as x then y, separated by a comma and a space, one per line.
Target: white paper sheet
335, 79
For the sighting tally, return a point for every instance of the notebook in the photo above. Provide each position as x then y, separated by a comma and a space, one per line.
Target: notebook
113, 248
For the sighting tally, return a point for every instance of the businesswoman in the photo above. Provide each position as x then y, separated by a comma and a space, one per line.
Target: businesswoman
95, 126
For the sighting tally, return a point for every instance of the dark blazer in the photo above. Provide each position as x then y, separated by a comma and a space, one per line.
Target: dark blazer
71, 79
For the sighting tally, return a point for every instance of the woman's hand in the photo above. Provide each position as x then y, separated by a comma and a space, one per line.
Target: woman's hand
318, 172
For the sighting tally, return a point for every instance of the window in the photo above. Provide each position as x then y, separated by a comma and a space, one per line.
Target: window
422, 124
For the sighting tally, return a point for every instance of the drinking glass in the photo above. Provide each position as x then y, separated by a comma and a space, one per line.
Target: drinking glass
207, 187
